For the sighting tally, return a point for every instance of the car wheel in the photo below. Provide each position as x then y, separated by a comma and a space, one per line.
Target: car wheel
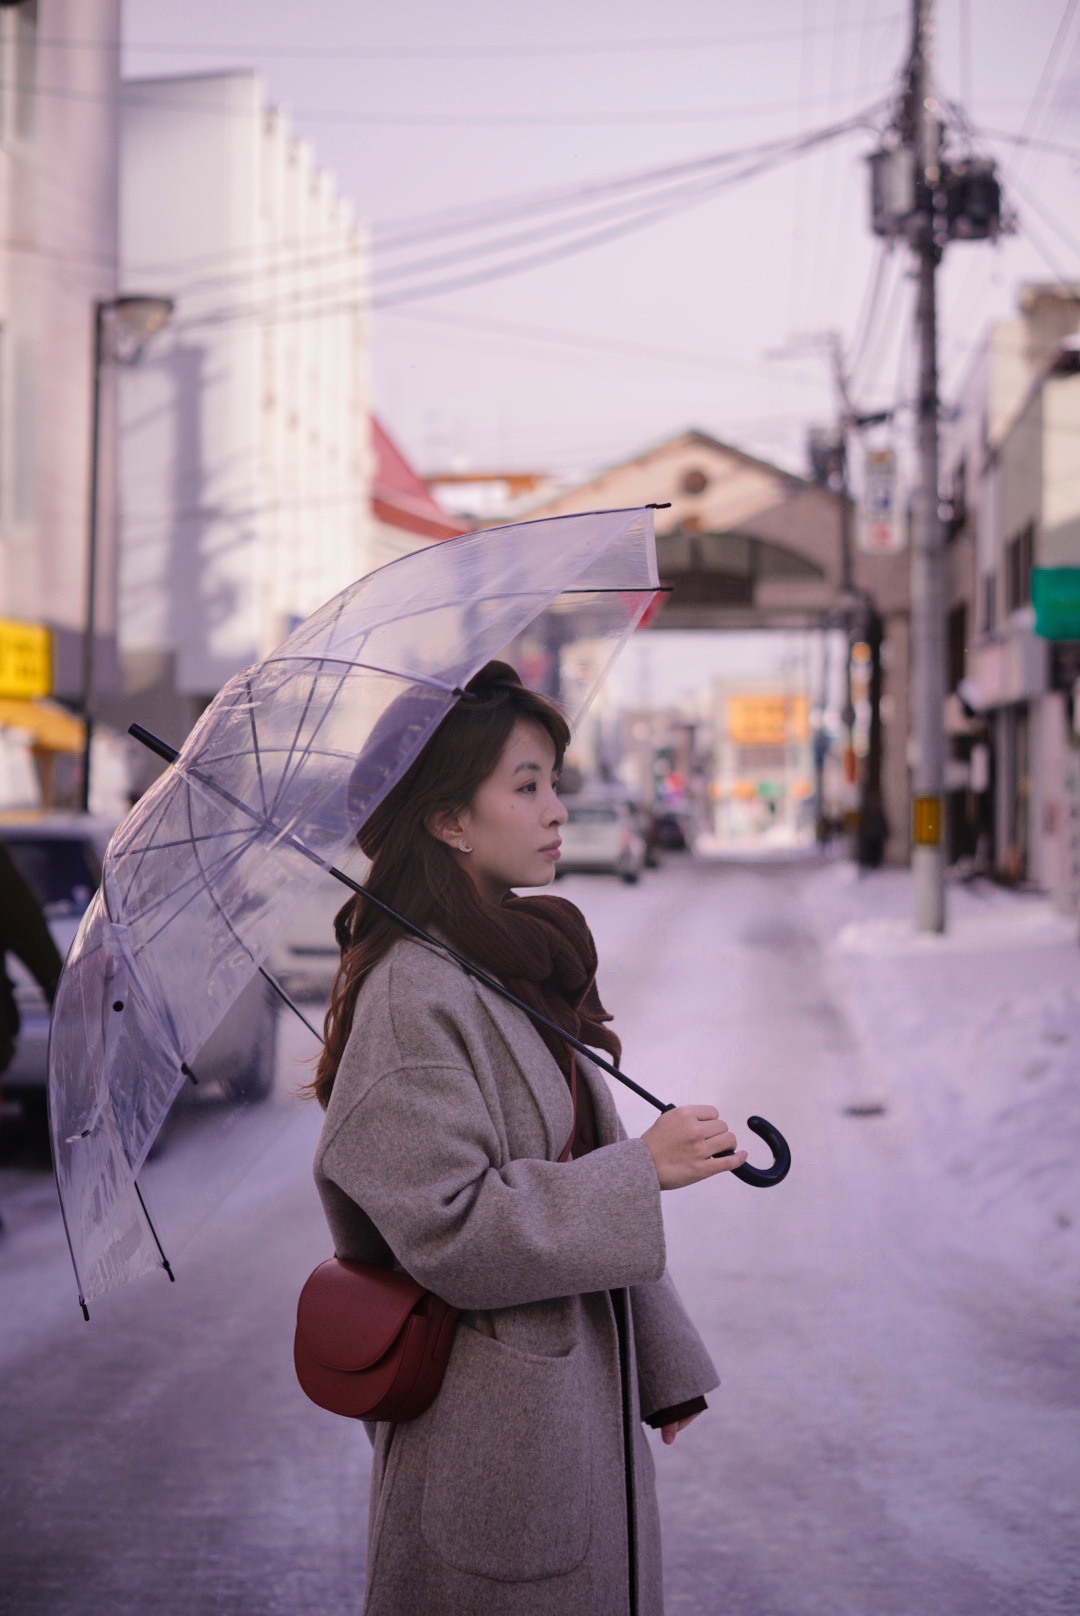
630, 878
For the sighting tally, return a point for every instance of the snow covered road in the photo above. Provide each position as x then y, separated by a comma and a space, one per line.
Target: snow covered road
898, 1430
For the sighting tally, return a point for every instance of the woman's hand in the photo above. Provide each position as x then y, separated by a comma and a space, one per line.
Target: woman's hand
670, 1432
684, 1143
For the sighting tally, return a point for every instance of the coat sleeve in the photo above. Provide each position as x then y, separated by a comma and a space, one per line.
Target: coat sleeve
673, 1364
420, 1153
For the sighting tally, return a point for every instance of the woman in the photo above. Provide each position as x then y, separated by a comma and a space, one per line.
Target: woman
466, 1145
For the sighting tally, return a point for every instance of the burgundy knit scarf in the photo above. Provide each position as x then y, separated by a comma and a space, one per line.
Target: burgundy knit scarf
543, 951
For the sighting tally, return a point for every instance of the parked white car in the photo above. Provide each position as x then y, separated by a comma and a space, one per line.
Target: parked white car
601, 837
59, 855
306, 959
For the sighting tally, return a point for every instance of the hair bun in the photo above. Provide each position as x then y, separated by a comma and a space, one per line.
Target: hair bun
493, 677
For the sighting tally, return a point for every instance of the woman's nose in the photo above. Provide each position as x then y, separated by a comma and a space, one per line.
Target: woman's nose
558, 813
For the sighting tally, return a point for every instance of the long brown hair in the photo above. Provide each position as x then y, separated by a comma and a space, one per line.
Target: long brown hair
411, 869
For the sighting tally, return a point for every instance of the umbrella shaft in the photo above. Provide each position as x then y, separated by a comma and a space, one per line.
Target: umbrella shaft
169, 754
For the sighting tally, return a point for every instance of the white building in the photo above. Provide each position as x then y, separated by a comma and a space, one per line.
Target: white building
58, 254
245, 433
1013, 467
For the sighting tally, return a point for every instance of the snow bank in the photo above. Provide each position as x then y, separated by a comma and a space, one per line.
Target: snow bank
972, 1041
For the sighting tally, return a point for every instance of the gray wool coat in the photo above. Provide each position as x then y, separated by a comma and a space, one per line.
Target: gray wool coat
440, 1152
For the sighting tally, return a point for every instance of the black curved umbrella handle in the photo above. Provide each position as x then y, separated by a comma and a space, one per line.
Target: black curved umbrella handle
764, 1177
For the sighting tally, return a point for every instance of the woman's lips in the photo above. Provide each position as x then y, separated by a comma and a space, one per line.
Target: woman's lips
552, 850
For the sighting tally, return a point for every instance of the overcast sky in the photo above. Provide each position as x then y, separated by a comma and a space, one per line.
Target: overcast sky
422, 107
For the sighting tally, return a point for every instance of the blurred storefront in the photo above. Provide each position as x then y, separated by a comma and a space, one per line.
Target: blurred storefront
762, 786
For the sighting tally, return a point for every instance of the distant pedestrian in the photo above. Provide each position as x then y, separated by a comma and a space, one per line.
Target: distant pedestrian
463, 1144
24, 932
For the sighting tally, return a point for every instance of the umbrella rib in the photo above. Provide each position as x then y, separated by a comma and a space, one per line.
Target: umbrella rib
174, 892
303, 716
162, 808
255, 740
232, 859
228, 859
336, 754
278, 989
370, 667
489, 595
181, 841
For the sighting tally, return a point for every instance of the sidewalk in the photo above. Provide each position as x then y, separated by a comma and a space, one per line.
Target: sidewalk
971, 1043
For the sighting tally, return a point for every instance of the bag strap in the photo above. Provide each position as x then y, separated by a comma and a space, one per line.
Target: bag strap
573, 1095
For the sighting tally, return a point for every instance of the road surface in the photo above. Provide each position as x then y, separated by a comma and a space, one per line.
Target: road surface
897, 1430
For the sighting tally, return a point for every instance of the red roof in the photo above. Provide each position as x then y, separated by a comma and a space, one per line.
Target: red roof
401, 498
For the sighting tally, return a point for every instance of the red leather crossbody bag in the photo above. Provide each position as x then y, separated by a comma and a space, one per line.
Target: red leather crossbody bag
371, 1343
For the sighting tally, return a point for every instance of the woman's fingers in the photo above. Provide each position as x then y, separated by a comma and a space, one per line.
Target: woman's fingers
688, 1144
723, 1164
670, 1432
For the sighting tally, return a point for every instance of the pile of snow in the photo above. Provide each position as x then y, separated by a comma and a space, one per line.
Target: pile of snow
972, 1042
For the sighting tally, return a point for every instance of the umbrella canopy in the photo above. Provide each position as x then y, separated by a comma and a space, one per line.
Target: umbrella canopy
269, 789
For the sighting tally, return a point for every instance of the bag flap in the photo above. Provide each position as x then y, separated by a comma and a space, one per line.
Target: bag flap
350, 1314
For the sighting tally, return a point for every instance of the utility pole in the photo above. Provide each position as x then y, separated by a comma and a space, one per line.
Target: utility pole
921, 196
923, 137
858, 612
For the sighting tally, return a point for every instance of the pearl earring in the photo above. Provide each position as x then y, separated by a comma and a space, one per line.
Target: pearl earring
463, 849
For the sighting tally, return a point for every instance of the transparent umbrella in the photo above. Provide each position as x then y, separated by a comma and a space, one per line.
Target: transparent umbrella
268, 791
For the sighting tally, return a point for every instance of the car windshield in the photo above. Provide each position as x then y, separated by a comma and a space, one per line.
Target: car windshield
592, 816
61, 872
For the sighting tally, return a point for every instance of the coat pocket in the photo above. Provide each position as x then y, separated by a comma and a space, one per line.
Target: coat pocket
507, 1493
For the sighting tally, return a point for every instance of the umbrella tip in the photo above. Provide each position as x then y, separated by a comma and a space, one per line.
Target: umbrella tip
85, 1309
662, 505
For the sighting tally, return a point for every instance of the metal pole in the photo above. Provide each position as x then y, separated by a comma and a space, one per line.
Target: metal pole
927, 559
89, 625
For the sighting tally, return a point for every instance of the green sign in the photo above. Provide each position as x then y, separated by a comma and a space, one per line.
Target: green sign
1055, 594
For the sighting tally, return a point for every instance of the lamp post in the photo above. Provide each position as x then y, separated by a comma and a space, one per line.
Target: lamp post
132, 320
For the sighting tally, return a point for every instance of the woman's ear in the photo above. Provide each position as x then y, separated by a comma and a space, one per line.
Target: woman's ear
446, 828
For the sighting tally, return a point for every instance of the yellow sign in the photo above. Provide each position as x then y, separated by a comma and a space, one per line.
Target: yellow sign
25, 659
926, 821
767, 720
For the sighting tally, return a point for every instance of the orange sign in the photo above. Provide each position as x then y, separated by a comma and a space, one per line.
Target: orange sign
767, 720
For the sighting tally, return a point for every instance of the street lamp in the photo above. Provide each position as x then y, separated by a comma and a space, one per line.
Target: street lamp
131, 321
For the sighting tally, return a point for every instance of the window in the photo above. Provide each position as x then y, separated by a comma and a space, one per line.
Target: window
989, 601
957, 644
26, 27
24, 436
957, 518
1019, 561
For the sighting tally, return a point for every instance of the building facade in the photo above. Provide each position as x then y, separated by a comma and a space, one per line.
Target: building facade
245, 444
1013, 476
743, 544
58, 255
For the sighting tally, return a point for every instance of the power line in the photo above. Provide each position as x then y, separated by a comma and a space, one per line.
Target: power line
688, 197
478, 217
438, 53
1049, 67
610, 345
130, 97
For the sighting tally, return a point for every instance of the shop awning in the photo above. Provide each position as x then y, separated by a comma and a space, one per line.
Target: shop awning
52, 727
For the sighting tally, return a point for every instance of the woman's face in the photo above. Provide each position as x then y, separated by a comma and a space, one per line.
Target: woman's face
512, 824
